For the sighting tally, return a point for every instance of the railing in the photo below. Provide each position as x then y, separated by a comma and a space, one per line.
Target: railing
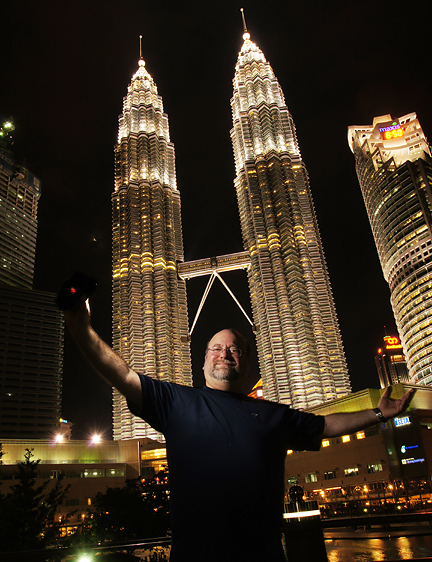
43, 555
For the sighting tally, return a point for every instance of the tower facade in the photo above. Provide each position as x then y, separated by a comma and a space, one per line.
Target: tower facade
19, 196
394, 168
150, 321
300, 350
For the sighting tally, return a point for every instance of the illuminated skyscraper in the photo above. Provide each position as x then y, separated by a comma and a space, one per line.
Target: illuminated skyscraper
394, 168
150, 322
299, 344
31, 326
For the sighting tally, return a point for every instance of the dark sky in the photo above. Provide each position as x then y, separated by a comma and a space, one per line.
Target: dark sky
65, 67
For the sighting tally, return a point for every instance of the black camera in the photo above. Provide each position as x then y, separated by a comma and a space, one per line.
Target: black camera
74, 289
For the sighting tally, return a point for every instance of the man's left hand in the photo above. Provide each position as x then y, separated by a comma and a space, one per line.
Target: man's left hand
391, 408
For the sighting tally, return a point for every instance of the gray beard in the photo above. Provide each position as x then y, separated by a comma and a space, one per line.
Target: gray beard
225, 372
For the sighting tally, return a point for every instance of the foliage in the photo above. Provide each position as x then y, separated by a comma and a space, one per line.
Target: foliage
138, 510
27, 512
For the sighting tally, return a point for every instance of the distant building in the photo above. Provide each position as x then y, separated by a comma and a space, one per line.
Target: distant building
394, 168
31, 326
31, 348
20, 191
390, 362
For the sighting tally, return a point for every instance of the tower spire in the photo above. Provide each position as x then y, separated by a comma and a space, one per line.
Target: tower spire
140, 38
245, 31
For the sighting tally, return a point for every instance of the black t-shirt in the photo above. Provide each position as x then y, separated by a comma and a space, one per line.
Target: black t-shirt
226, 456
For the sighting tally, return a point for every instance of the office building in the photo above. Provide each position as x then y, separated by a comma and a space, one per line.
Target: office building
150, 321
394, 168
390, 362
31, 326
300, 350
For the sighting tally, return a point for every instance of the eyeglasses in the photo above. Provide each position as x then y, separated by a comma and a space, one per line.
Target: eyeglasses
234, 351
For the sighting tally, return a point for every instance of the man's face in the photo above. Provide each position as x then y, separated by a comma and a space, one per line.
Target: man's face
223, 369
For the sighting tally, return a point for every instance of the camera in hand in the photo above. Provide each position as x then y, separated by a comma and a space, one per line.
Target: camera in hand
78, 286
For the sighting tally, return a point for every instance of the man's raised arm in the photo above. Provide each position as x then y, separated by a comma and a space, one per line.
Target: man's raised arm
101, 357
342, 424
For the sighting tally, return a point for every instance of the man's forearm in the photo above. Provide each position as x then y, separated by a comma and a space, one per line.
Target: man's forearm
103, 358
345, 423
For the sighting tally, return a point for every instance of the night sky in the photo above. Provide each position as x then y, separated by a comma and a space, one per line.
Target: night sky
65, 67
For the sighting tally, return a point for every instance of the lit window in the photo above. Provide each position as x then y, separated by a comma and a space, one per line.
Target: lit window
311, 477
346, 438
326, 443
375, 467
360, 435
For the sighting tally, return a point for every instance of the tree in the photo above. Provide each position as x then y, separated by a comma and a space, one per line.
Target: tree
138, 510
27, 512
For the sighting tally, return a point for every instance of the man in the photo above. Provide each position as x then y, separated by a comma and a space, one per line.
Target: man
225, 451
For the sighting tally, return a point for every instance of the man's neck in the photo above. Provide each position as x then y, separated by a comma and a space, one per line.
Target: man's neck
225, 386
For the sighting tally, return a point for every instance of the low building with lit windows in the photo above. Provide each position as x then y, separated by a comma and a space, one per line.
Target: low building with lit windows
88, 466
388, 463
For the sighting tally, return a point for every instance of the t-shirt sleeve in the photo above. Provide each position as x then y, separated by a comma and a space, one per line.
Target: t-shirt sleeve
304, 430
157, 402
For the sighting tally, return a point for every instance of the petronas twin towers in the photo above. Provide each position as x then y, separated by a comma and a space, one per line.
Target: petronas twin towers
299, 345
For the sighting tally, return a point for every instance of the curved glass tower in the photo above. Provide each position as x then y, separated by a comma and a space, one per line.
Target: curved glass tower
300, 349
394, 168
150, 322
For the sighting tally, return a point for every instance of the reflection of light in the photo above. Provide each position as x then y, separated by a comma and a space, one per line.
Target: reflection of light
405, 551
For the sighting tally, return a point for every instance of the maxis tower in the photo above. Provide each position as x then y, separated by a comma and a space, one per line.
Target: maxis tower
300, 350
394, 167
150, 321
